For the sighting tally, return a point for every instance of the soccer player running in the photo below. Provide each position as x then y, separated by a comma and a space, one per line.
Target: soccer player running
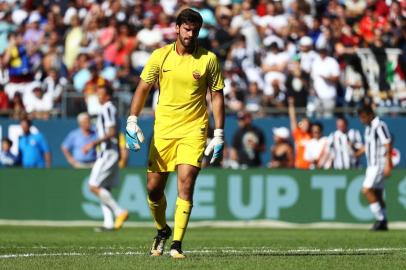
379, 164
104, 175
184, 71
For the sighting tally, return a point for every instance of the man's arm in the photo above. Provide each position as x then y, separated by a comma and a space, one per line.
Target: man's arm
139, 98
111, 133
217, 143
388, 160
217, 99
68, 156
292, 114
134, 135
47, 156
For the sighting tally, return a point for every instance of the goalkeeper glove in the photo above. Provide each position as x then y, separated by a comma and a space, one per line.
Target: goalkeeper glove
216, 144
134, 136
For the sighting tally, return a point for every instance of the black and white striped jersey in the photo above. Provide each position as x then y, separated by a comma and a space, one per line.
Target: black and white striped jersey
106, 119
343, 147
376, 136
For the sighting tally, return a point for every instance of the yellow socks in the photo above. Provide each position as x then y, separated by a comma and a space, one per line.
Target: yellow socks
158, 209
182, 214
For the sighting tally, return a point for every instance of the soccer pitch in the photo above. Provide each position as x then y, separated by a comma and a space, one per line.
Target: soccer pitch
206, 248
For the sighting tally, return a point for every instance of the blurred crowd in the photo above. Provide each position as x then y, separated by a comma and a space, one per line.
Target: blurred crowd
324, 54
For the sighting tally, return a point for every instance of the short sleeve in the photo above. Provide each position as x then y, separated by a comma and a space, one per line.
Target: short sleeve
383, 134
335, 68
43, 144
109, 117
150, 73
68, 142
215, 79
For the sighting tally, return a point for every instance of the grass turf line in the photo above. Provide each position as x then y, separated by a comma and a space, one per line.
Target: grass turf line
206, 248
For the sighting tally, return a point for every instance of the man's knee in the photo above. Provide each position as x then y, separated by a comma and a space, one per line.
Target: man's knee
94, 189
155, 191
366, 191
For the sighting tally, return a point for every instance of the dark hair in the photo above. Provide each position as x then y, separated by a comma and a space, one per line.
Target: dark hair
27, 120
367, 109
317, 124
108, 89
189, 16
343, 119
8, 141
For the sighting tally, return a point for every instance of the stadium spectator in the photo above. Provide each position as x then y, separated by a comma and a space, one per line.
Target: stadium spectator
72, 41
316, 150
19, 66
4, 101
254, 100
244, 24
38, 103
297, 84
325, 74
54, 85
301, 135
344, 145
234, 98
307, 55
72, 146
33, 149
69, 39
281, 151
248, 142
274, 67
222, 38
7, 159
17, 106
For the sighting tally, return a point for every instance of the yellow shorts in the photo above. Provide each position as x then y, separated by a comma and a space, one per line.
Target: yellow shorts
166, 154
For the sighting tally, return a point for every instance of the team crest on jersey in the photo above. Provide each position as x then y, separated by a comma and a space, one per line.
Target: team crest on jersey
196, 74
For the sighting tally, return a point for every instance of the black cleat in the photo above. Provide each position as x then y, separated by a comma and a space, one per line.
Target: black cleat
380, 225
176, 250
158, 245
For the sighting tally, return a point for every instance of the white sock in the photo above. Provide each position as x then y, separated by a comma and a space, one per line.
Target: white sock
377, 210
108, 217
107, 199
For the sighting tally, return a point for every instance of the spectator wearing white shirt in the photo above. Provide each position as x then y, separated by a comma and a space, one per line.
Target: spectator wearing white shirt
244, 24
274, 68
307, 54
316, 150
325, 74
38, 103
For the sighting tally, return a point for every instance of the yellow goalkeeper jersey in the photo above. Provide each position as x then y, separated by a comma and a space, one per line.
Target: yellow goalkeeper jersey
183, 82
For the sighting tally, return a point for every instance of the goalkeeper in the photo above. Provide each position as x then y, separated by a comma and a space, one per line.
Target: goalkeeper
184, 72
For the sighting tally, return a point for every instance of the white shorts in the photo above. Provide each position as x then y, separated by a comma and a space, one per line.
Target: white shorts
374, 178
105, 170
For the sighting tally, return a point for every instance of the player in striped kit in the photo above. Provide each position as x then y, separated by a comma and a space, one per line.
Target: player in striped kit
377, 149
344, 145
104, 175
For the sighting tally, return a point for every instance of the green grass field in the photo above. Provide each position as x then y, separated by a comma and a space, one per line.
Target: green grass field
206, 248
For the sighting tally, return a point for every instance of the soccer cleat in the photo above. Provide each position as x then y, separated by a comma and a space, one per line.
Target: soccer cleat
158, 245
380, 225
120, 220
104, 229
176, 250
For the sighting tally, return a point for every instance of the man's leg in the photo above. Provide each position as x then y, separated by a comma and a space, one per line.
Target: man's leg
156, 197
187, 175
108, 223
377, 206
156, 182
107, 199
